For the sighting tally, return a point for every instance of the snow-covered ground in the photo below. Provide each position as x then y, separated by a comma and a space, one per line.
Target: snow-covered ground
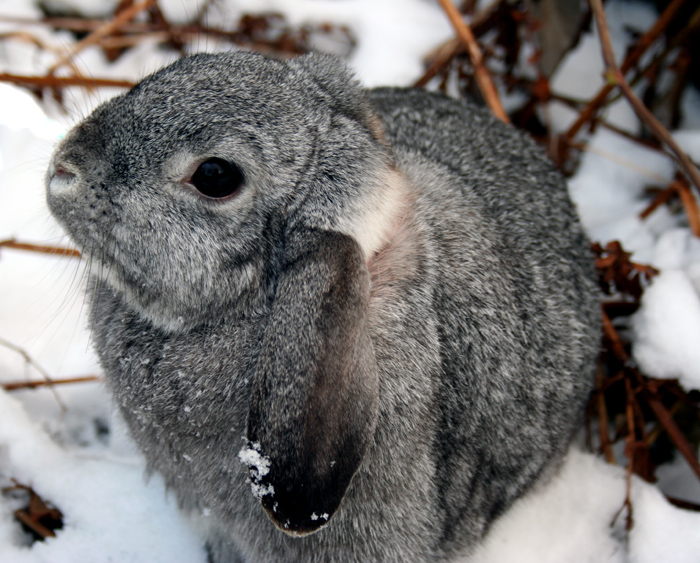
81, 459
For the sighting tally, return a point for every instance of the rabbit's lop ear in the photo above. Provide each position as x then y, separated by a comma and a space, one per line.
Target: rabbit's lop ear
315, 397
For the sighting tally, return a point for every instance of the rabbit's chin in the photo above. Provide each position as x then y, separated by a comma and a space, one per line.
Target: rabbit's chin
160, 312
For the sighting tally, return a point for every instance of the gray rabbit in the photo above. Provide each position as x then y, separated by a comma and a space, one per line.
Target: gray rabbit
344, 325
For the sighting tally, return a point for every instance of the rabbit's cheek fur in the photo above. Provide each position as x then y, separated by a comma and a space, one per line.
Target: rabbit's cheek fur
134, 239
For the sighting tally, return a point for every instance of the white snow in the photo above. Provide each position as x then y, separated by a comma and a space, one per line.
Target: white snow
654, 518
547, 525
667, 328
110, 513
259, 466
252, 457
113, 514
323, 516
608, 189
394, 34
581, 72
577, 518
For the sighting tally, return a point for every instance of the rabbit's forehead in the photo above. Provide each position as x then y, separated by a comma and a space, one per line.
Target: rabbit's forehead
244, 93
200, 101
169, 122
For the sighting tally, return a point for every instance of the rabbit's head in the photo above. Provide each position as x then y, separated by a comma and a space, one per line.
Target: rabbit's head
227, 186
181, 191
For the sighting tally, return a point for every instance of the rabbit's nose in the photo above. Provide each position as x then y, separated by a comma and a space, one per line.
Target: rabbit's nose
61, 179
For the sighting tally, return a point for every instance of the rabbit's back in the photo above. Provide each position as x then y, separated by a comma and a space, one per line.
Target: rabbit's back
514, 297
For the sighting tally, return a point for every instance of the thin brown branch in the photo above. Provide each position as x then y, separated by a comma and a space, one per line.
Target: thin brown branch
36, 365
658, 129
481, 73
632, 58
681, 503
38, 516
55, 250
74, 24
602, 408
681, 189
453, 47
646, 143
15, 385
62, 81
610, 332
631, 451
103, 31
642, 111
444, 54
664, 417
659, 429
612, 157
690, 204
655, 66
125, 41
660, 411
34, 524
664, 196
27, 37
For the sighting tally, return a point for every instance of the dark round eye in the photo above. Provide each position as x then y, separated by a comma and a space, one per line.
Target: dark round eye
217, 178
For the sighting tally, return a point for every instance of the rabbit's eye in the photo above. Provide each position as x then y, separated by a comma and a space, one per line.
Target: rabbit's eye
217, 178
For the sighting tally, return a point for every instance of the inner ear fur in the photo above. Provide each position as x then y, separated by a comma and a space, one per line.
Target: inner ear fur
315, 398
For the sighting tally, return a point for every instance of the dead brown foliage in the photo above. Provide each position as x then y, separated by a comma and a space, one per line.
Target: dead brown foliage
133, 23
38, 517
654, 417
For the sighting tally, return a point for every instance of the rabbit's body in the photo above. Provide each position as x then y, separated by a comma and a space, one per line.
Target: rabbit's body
403, 335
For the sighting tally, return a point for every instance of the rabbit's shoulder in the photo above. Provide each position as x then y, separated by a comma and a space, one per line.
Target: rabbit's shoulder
480, 179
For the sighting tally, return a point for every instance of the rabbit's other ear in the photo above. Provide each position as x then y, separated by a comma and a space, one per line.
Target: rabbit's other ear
332, 79
315, 398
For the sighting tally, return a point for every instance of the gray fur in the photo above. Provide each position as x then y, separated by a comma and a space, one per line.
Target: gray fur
404, 390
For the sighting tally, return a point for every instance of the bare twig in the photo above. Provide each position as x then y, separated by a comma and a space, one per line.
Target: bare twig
56, 250
481, 73
650, 144
444, 54
642, 45
453, 47
664, 196
612, 157
680, 188
15, 385
125, 41
690, 204
62, 81
27, 37
39, 516
73, 24
37, 366
652, 398
642, 111
603, 421
665, 418
681, 503
659, 429
656, 64
104, 30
